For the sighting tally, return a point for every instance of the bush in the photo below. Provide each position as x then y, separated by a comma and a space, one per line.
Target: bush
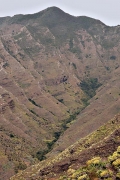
89, 86
112, 57
40, 155
61, 100
74, 65
33, 102
20, 166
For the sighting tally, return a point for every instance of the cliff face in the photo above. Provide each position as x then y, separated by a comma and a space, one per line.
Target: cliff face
43, 59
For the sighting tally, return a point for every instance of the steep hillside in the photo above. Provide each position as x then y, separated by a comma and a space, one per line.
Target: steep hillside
101, 143
51, 64
103, 106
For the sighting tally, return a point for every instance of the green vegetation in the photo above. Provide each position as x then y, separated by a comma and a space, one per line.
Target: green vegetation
108, 44
33, 112
85, 101
74, 65
6, 65
33, 102
107, 68
56, 136
74, 49
22, 85
96, 169
89, 86
71, 118
19, 166
112, 57
71, 43
12, 135
40, 155
61, 100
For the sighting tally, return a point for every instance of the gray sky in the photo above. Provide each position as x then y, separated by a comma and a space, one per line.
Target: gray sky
108, 11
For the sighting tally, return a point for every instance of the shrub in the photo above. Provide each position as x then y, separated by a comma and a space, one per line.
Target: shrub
112, 57
83, 177
95, 161
116, 163
33, 102
118, 150
40, 155
74, 65
20, 166
89, 86
12, 136
106, 174
113, 157
61, 100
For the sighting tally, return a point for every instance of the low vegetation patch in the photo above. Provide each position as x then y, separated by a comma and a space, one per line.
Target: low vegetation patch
40, 155
97, 169
89, 86
33, 102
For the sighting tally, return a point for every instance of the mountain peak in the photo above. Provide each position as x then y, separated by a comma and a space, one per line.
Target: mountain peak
54, 8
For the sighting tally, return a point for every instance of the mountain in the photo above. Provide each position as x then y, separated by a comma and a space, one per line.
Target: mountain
59, 82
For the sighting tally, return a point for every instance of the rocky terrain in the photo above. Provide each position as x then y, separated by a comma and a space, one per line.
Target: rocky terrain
59, 82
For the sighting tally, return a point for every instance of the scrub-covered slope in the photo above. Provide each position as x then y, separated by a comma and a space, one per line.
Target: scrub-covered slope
101, 143
51, 63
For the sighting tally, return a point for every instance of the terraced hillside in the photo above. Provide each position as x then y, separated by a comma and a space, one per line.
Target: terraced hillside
54, 68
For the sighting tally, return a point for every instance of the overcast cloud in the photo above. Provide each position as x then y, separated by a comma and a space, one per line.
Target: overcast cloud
108, 11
